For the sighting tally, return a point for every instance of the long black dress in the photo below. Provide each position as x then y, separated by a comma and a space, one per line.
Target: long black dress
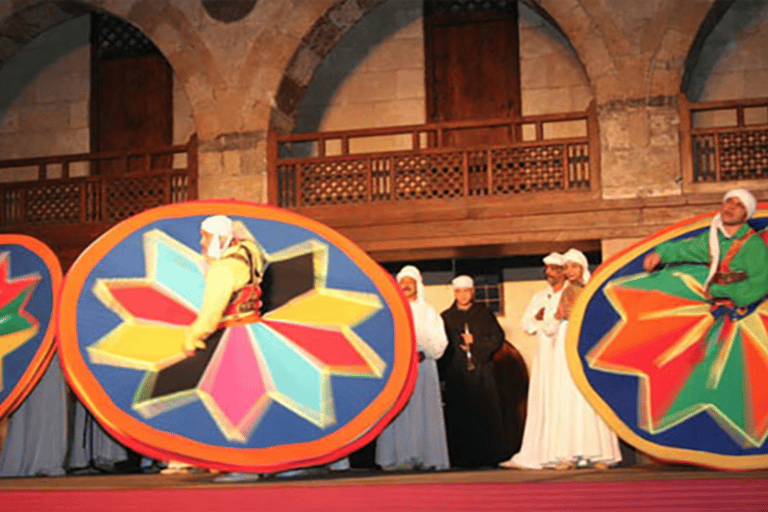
473, 414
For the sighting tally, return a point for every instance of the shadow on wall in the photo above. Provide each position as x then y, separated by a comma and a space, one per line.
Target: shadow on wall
740, 17
376, 27
39, 54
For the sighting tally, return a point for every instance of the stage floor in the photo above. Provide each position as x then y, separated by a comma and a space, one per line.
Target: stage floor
649, 487
366, 477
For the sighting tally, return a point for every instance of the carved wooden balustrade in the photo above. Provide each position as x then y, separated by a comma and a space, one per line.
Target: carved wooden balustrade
137, 180
382, 166
723, 141
68, 200
437, 187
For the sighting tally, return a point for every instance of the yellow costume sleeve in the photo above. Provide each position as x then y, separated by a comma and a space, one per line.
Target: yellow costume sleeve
224, 277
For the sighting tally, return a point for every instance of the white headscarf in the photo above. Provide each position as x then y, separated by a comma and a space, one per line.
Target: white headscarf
554, 258
427, 323
460, 282
413, 273
221, 229
746, 198
577, 256
750, 205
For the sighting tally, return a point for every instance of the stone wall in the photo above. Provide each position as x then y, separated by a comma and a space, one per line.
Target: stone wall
552, 78
733, 63
341, 64
374, 76
44, 97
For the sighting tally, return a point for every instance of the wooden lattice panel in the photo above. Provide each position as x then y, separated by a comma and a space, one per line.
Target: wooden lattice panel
179, 188
13, 202
578, 166
329, 183
477, 173
53, 202
743, 155
286, 185
528, 169
115, 38
381, 179
704, 168
127, 196
429, 176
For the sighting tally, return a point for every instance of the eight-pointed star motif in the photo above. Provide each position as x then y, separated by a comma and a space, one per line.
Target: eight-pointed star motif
304, 337
689, 356
17, 325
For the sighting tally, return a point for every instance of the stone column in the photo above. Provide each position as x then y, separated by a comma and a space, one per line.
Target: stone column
234, 166
640, 148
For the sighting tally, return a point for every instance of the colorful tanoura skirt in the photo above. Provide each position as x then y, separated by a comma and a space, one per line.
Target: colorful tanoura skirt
678, 376
330, 361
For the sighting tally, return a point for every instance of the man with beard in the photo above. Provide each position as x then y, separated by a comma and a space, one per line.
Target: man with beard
416, 437
473, 415
539, 319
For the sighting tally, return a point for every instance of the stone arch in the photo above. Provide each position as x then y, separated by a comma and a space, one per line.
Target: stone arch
332, 26
682, 41
26, 23
189, 57
723, 29
586, 37
713, 17
597, 40
165, 25
311, 51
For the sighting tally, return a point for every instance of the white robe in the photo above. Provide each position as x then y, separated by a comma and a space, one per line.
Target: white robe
582, 434
539, 433
416, 437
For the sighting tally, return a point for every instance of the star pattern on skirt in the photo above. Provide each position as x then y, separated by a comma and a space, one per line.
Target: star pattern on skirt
690, 355
17, 325
305, 335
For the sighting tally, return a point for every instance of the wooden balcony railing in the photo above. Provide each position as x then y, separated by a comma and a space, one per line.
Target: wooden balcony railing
94, 188
724, 141
499, 157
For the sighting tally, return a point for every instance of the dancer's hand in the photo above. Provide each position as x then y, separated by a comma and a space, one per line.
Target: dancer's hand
651, 261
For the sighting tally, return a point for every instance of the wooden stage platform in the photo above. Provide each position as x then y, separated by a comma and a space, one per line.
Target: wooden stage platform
652, 487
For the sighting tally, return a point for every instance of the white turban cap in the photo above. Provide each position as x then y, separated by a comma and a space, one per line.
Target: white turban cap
554, 258
220, 227
746, 198
577, 256
413, 273
463, 282
750, 205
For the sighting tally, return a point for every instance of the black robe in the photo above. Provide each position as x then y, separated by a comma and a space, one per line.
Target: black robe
473, 414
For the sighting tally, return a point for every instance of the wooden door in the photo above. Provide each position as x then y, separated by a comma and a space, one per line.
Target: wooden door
472, 66
131, 96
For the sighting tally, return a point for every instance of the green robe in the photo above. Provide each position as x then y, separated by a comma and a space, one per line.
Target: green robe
751, 258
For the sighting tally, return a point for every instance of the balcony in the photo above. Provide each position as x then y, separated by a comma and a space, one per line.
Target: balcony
69, 200
724, 143
436, 185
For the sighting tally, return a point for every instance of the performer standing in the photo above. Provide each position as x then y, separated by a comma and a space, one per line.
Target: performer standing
582, 439
416, 437
539, 319
473, 415
737, 272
